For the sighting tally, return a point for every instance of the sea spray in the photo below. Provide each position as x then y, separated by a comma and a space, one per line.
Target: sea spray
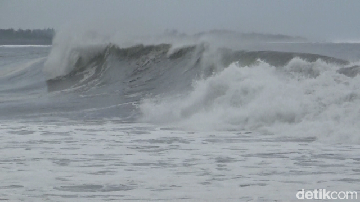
299, 99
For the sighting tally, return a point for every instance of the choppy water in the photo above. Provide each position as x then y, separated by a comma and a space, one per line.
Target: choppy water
150, 123
111, 160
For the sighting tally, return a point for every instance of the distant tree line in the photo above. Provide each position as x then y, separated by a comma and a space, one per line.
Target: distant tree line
26, 36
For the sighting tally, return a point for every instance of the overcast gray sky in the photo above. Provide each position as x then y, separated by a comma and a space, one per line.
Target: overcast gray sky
327, 19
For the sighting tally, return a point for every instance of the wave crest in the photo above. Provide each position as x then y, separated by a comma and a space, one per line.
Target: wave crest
306, 98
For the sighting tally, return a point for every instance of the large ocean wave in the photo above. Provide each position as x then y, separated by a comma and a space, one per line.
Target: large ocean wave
196, 85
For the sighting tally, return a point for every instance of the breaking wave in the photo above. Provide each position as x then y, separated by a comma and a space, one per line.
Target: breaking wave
199, 87
301, 98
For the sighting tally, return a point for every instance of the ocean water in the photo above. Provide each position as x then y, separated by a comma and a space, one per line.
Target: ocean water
191, 121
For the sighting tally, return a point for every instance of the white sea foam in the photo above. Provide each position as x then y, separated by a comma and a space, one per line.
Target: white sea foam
104, 160
300, 99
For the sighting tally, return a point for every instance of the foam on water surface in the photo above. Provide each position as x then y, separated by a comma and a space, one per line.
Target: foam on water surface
111, 160
300, 99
